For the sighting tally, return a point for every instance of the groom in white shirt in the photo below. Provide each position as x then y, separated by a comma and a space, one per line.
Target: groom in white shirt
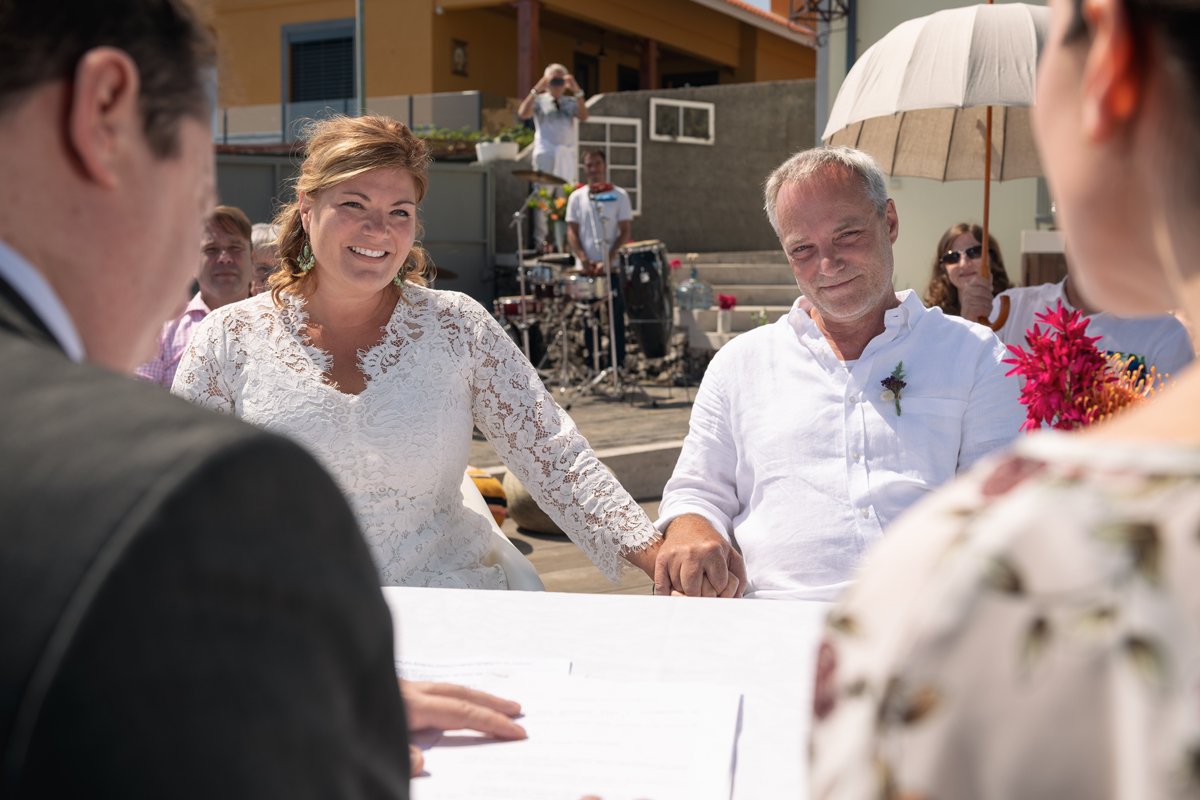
809, 436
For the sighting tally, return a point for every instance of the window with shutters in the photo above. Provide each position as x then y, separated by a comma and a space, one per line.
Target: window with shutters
319, 61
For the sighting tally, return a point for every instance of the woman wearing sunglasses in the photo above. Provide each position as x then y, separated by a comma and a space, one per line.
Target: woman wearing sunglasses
955, 285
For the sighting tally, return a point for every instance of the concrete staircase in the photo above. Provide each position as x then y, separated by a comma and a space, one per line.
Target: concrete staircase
761, 280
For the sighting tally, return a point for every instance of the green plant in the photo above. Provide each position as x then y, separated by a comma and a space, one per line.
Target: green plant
517, 133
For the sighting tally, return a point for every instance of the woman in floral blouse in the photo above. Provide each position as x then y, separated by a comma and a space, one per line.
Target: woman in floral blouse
1033, 630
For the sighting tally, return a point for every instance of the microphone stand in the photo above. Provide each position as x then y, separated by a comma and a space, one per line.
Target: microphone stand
523, 319
600, 240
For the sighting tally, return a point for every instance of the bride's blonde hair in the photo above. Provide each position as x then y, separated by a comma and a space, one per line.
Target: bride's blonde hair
337, 149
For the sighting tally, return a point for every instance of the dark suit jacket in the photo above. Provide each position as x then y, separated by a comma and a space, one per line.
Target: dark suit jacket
187, 608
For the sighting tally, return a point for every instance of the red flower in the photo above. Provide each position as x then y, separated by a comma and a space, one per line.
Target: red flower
1069, 383
726, 302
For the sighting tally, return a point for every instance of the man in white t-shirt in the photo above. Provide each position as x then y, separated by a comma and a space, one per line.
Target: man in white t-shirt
809, 436
553, 112
599, 221
1159, 341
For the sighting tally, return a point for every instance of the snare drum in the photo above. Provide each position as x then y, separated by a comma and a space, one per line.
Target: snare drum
510, 307
542, 280
584, 287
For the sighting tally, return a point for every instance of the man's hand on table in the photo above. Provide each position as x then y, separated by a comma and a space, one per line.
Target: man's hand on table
693, 559
447, 706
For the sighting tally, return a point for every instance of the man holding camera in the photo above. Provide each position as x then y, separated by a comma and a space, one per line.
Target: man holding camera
554, 142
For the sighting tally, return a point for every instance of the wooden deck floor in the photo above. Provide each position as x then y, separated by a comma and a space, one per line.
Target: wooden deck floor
564, 568
654, 413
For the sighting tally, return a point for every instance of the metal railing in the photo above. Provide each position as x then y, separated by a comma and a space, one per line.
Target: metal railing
284, 122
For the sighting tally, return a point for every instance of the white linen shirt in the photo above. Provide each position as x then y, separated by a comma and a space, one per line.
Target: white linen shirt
797, 456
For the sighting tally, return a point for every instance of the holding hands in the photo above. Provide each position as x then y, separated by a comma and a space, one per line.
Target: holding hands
693, 559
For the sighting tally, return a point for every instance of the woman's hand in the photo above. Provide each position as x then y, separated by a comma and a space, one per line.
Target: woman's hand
448, 706
975, 298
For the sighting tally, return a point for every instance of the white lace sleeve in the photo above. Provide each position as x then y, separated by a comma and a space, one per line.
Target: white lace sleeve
201, 377
539, 442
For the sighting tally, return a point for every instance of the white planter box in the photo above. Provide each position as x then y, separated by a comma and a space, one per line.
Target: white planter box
496, 151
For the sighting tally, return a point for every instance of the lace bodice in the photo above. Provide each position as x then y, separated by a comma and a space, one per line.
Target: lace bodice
399, 448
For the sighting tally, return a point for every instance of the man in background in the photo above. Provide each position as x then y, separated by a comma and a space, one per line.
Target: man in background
1158, 341
264, 255
599, 221
553, 112
224, 277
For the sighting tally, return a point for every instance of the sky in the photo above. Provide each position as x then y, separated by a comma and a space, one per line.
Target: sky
765, 5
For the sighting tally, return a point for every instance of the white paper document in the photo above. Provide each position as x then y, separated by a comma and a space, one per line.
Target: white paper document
469, 671
615, 739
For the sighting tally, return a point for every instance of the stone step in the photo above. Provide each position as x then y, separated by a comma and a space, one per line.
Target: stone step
745, 273
742, 319
744, 257
759, 294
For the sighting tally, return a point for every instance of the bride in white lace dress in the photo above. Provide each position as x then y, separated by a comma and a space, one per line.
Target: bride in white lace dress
383, 379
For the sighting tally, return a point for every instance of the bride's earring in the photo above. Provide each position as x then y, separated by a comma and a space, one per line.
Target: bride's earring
399, 279
306, 259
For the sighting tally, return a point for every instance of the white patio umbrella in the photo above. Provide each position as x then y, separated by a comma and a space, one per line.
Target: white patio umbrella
920, 99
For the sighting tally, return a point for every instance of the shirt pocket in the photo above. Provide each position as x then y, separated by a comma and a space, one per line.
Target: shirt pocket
929, 435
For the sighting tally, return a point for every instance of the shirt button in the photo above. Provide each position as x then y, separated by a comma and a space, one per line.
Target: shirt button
854, 457
852, 399
866, 512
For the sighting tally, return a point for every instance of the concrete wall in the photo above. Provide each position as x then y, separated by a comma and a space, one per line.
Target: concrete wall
699, 197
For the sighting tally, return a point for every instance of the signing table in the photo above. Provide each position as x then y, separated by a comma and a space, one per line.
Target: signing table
762, 649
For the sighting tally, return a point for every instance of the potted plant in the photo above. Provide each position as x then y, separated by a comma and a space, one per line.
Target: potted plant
501, 148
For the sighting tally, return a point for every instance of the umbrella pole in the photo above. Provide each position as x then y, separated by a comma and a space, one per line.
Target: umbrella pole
985, 264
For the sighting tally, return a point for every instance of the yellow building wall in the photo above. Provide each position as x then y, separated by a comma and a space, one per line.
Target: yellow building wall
409, 46
399, 57
777, 59
491, 38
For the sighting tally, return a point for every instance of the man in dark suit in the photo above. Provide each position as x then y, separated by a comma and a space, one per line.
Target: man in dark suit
186, 606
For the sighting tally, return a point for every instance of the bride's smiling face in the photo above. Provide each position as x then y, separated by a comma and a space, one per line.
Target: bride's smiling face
361, 230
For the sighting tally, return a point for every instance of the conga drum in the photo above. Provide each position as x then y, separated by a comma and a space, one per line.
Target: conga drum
645, 280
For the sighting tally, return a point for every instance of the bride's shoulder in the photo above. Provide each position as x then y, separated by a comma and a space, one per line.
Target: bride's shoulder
252, 313
445, 304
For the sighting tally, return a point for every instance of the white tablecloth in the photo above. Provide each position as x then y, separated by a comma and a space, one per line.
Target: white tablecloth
764, 648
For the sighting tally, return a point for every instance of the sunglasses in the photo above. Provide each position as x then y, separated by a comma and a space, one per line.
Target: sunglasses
974, 251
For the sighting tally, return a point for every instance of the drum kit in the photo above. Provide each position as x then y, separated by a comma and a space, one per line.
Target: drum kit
562, 314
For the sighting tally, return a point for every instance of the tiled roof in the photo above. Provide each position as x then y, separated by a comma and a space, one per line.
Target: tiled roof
771, 17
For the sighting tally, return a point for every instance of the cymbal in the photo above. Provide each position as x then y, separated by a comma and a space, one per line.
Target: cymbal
538, 176
448, 274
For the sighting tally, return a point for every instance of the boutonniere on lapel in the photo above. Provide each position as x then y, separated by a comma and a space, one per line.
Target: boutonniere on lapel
892, 386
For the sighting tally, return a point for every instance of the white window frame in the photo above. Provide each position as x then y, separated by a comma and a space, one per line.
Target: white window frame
608, 146
655, 136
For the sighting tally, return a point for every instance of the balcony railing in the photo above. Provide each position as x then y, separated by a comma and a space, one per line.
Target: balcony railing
284, 122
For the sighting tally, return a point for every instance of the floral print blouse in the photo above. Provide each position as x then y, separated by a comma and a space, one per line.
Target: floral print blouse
1030, 631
